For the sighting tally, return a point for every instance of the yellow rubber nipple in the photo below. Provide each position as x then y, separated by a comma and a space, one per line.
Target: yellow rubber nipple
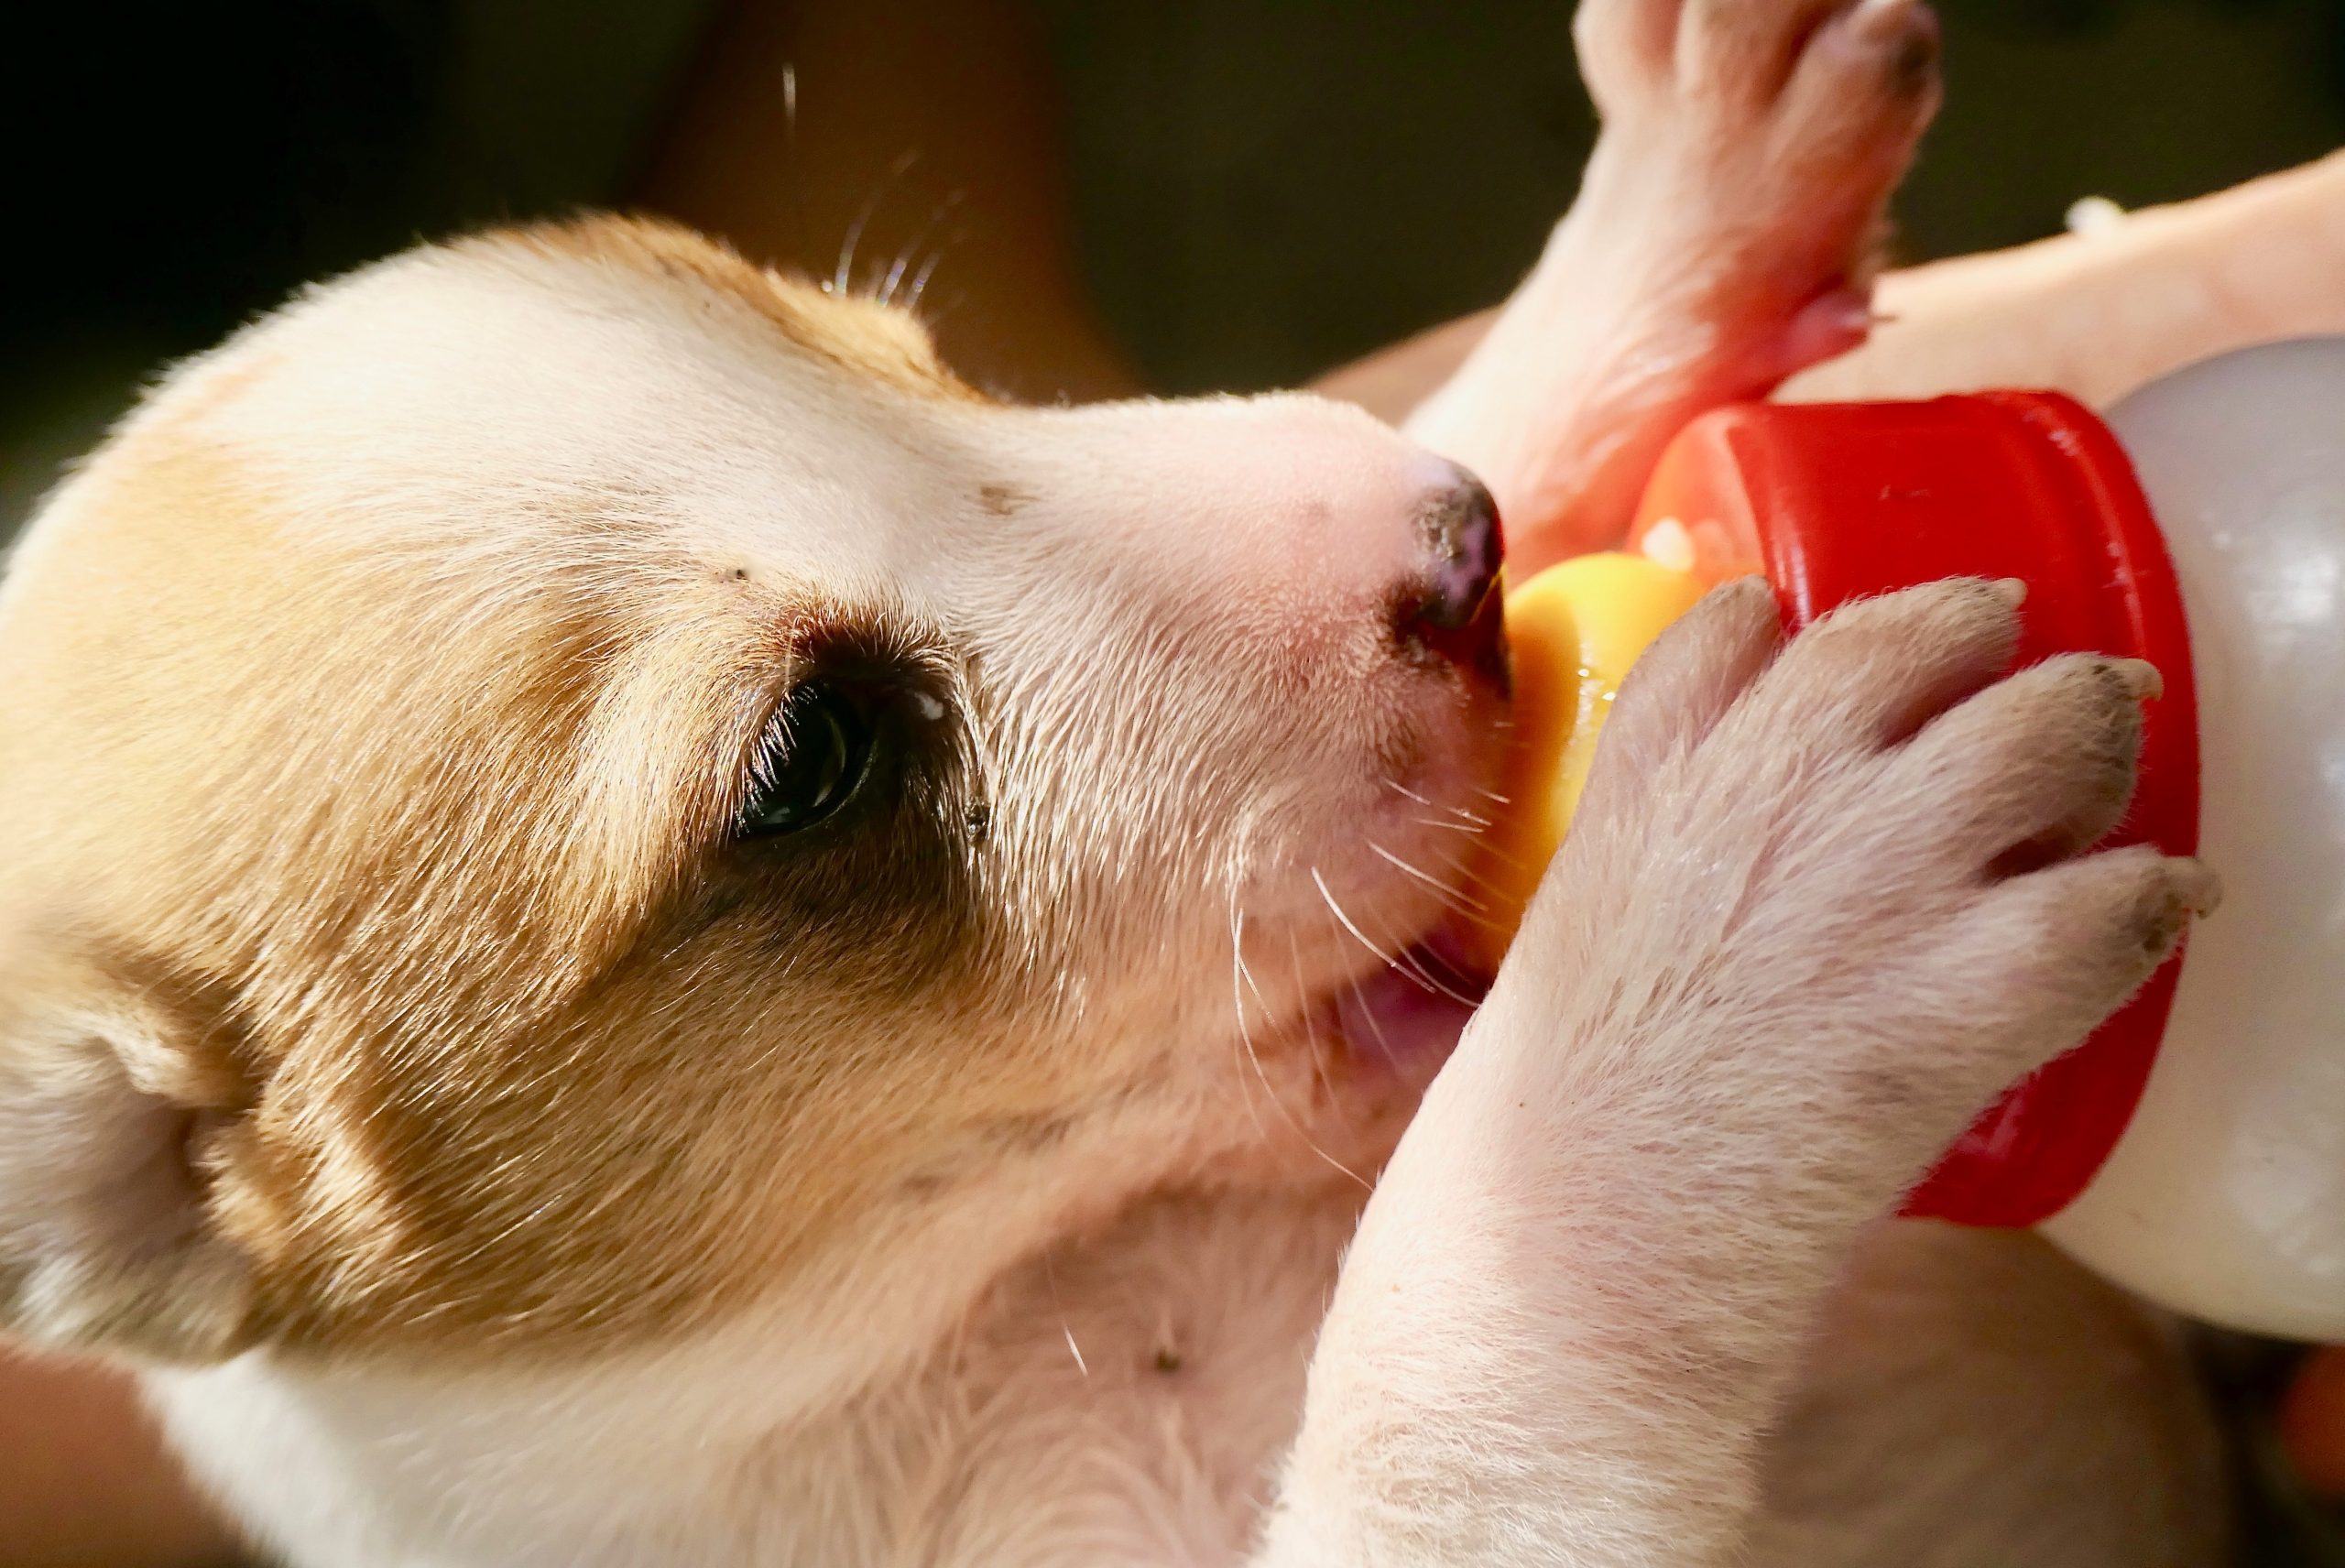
1574, 630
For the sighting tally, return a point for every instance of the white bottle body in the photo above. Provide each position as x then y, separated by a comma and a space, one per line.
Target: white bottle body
2226, 1197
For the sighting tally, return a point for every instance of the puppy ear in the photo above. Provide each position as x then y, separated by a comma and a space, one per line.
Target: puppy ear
108, 1084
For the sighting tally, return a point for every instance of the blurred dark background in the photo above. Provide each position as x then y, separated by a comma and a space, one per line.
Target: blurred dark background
1257, 190
1260, 188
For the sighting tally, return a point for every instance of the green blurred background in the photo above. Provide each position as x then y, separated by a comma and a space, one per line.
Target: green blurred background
1263, 188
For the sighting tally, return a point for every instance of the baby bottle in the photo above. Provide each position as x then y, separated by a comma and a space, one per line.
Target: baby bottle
2194, 1148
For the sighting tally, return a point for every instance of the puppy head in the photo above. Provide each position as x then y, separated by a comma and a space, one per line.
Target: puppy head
563, 786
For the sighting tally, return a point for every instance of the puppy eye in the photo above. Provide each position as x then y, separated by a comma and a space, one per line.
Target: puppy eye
815, 757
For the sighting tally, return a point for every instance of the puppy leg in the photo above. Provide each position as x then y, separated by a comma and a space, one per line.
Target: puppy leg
1978, 1400
1771, 973
1721, 241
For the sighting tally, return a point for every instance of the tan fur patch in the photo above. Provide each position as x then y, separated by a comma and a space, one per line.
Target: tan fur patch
858, 334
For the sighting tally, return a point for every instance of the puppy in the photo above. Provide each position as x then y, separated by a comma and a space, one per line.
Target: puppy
639, 930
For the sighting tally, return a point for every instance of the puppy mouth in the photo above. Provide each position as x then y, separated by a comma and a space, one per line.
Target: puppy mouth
1408, 1015
1409, 1012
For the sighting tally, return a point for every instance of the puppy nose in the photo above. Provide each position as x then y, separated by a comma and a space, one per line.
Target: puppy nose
1456, 611
1463, 536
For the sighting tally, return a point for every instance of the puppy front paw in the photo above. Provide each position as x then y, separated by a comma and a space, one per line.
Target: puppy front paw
1724, 238
1842, 873
1820, 902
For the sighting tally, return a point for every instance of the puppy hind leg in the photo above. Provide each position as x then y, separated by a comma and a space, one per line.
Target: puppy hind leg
1723, 239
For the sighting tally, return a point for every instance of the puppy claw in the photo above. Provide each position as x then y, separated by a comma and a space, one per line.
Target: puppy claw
2200, 889
1825, 328
2140, 679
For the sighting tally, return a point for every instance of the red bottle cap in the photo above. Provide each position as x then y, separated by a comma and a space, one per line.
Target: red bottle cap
1835, 502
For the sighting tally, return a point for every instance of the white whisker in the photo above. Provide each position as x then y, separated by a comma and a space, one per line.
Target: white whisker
1239, 983
1310, 1023
1346, 921
790, 153
1245, 976
1051, 1277
919, 278
1402, 964
913, 246
845, 270
1489, 919
1374, 1026
1461, 868
1455, 898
